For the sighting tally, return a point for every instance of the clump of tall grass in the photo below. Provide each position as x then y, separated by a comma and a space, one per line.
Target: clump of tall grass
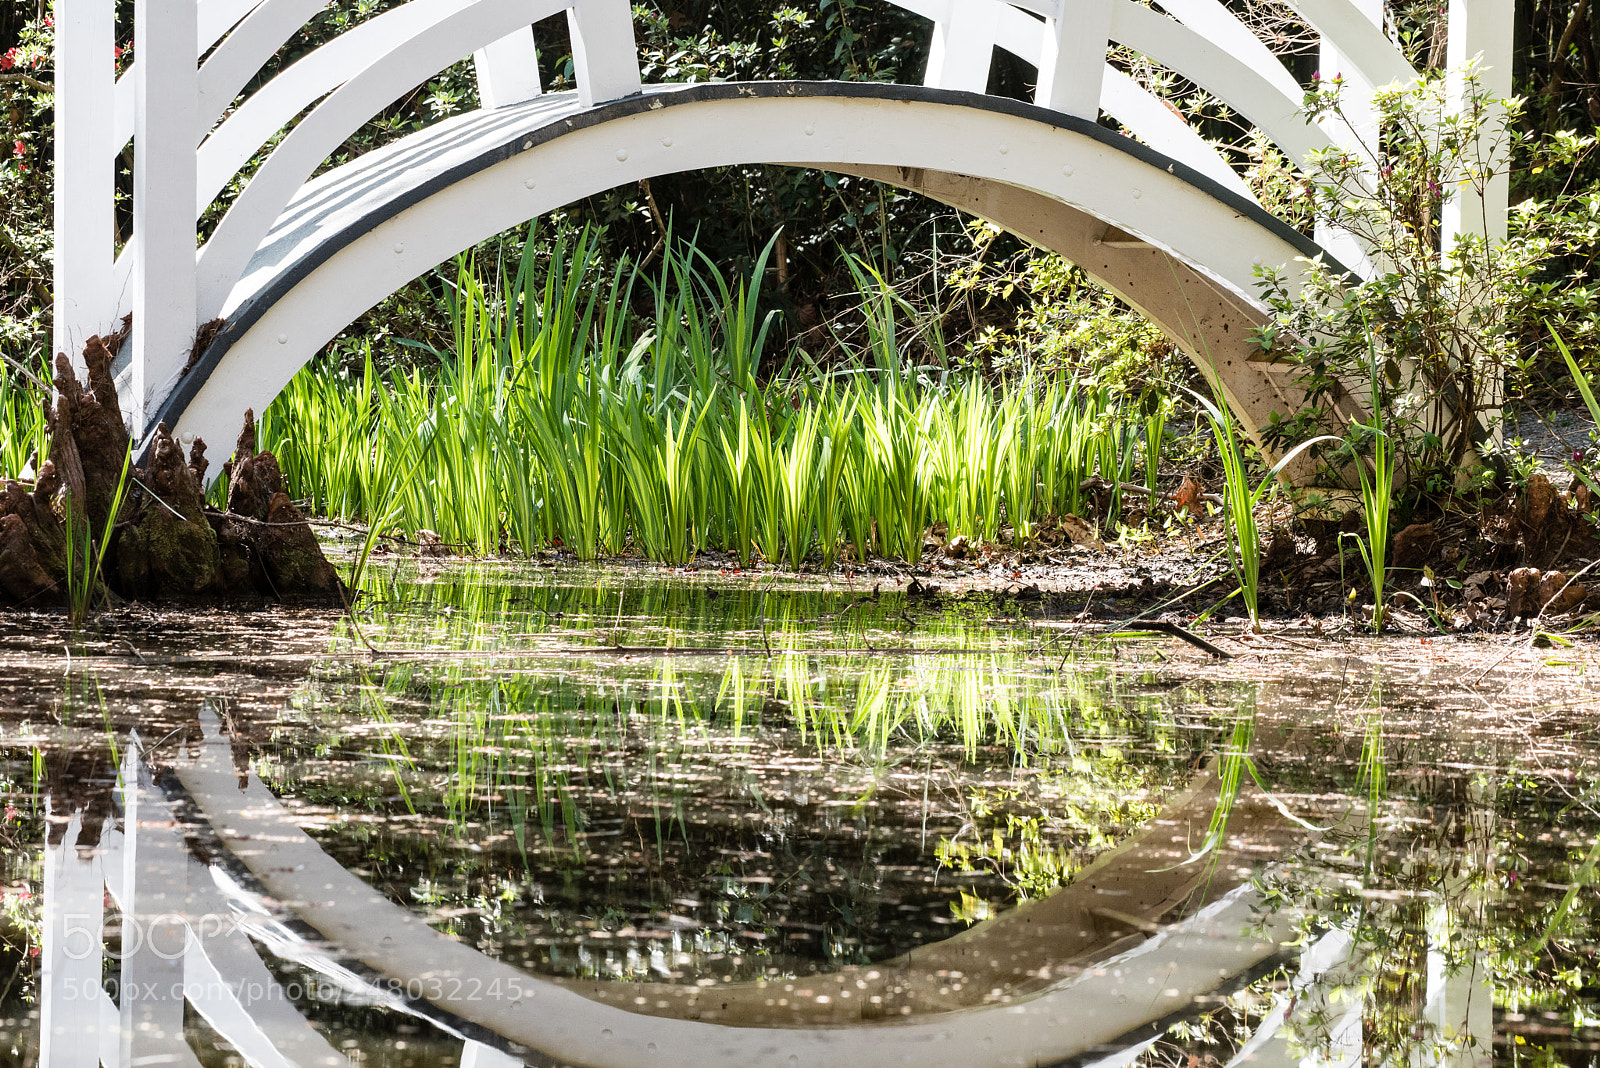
24, 429
86, 554
1240, 497
1377, 495
560, 419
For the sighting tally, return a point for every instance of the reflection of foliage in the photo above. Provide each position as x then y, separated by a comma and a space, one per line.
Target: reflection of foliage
1479, 894
21, 881
1037, 839
1019, 854
1548, 959
666, 817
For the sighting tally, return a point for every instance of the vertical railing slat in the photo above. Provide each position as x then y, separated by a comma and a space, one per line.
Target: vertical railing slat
508, 70
604, 56
85, 194
1072, 62
165, 132
962, 49
69, 1012
155, 924
1359, 135
1482, 30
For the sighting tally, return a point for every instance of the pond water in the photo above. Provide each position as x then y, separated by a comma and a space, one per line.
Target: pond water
614, 817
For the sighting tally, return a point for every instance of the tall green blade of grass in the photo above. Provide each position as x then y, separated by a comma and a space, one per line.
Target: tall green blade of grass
859, 489
1377, 495
764, 450
679, 457
838, 435
1018, 474
24, 396
739, 478
798, 469
639, 434
1240, 499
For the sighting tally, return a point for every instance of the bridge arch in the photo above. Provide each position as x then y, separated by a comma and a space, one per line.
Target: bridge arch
1196, 217
1176, 243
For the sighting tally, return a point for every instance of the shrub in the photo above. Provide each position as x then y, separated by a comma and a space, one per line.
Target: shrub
1444, 318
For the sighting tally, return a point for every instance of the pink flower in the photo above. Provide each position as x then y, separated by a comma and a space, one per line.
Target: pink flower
8, 60
18, 148
50, 21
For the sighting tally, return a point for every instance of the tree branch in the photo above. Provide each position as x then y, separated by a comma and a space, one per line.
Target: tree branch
1558, 65
26, 79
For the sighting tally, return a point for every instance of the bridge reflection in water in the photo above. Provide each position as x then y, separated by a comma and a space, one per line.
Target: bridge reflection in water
172, 926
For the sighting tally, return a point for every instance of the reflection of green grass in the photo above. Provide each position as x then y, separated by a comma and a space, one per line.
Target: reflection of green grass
698, 761
627, 779
484, 606
514, 734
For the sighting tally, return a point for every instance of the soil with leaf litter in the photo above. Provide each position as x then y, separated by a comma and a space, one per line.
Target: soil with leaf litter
1526, 562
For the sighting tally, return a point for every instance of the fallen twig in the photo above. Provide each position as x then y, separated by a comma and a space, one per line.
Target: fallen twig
1161, 626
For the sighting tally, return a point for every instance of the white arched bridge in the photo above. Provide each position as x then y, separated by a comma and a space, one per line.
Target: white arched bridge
1161, 218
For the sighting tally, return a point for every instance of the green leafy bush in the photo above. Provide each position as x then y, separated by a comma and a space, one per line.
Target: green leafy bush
1443, 319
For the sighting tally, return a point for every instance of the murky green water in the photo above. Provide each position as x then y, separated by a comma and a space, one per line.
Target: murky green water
571, 817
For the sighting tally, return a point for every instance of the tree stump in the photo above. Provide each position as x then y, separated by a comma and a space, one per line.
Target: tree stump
93, 524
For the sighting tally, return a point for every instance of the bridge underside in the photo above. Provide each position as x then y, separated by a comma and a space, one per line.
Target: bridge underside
1172, 242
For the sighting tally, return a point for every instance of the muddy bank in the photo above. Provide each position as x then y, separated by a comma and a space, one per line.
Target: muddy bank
1527, 557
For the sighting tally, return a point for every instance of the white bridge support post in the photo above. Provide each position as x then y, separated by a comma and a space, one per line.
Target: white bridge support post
1481, 31
604, 55
1361, 136
85, 195
962, 49
508, 70
165, 132
1072, 61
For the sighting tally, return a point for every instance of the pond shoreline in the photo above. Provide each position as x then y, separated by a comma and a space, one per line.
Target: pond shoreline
1183, 577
